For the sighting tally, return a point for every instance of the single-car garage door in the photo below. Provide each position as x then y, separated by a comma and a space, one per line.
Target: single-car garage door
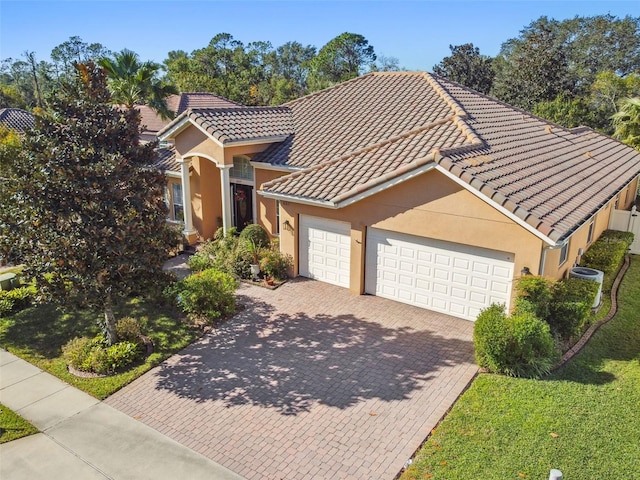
325, 250
455, 279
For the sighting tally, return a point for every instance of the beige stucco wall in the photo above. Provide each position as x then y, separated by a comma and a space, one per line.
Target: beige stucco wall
430, 206
266, 207
205, 179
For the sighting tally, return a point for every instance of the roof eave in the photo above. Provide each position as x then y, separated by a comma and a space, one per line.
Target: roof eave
298, 199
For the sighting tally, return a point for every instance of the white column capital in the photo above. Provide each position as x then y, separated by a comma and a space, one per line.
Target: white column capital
183, 160
224, 166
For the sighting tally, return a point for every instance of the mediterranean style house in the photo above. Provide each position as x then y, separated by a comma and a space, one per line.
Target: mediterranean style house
403, 185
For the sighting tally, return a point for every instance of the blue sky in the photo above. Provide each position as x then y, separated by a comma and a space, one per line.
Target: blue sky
418, 33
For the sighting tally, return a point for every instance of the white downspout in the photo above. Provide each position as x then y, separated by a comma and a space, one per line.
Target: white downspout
543, 257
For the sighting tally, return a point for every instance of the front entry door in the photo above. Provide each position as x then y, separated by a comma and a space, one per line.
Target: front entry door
242, 205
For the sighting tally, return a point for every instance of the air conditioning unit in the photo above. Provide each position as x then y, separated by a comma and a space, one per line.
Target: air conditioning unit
590, 274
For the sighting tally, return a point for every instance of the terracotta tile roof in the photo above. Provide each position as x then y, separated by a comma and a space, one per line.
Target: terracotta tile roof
178, 104
16, 119
166, 160
361, 133
243, 123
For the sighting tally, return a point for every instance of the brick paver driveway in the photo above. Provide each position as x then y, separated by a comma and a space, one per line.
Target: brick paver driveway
309, 382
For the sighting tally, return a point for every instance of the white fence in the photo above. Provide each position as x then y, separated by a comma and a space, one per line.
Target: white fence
627, 222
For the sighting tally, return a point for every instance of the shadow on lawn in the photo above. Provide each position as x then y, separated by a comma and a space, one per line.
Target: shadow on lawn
290, 362
44, 329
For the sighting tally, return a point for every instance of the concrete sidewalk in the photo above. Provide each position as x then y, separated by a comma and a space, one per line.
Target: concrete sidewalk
83, 438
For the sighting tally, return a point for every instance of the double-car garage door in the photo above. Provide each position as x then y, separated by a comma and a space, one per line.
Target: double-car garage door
455, 279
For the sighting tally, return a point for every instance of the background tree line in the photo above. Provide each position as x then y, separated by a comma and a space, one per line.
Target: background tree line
572, 72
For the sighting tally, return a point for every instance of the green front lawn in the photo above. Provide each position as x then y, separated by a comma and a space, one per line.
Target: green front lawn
37, 335
13, 426
583, 420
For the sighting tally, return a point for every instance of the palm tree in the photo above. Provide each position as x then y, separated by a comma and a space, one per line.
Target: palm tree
627, 122
133, 82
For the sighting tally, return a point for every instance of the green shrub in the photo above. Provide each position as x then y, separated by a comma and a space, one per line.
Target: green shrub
276, 264
520, 345
16, 299
606, 253
255, 234
571, 305
491, 338
120, 355
200, 261
91, 355
76, 351
128, 329
210, 293
532, 351
239, 263
538, 291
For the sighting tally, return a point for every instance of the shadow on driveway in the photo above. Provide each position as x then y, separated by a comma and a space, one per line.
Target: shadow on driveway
291, 361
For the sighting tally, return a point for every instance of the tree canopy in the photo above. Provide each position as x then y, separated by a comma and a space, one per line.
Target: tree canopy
88, 208
468, 67
574, 71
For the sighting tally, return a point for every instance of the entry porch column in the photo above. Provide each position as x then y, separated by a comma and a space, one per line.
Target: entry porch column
189, 232
225, 193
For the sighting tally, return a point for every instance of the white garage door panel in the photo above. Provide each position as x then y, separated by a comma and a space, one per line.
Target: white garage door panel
459, 280
325, 250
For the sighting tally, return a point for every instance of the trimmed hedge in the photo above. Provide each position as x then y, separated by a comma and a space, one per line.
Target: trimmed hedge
607, 252
537, 291
571, 305
520, 345
565, 304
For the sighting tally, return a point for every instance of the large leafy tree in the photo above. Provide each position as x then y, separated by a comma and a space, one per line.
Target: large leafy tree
89, 207
342, 58
133, 82
467, 66
533, 68
597, 44
627, 122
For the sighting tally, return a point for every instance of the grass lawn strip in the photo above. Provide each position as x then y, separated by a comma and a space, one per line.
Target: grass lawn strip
37, 335
13, 426
584, 419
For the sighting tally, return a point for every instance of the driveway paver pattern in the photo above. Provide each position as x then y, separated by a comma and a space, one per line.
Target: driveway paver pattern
309, 382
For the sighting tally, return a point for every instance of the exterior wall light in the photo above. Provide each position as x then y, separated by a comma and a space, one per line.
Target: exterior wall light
525, 271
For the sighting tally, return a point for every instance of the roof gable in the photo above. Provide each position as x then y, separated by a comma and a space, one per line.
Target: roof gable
235, 125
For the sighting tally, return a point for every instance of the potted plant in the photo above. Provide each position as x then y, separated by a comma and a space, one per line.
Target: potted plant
254, 251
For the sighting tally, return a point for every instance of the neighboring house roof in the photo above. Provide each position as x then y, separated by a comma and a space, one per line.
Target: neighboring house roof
166, 160
16, 119
228, 125
153, 123
370, 130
